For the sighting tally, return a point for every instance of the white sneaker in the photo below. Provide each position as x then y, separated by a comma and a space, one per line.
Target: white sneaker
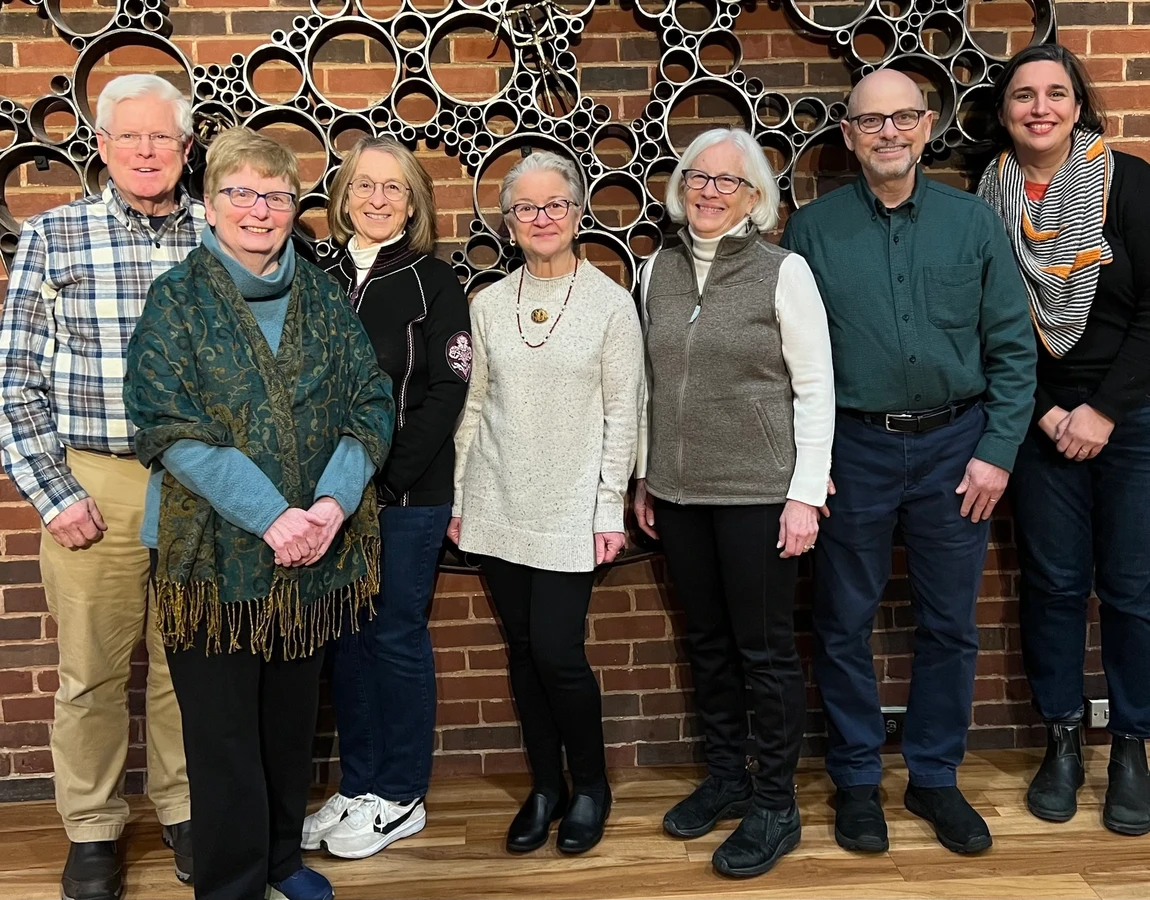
371, 823
323, 820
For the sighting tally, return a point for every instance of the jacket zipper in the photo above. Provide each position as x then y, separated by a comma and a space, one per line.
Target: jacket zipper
686, 365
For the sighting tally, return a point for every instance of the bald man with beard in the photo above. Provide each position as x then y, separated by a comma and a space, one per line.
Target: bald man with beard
934, 378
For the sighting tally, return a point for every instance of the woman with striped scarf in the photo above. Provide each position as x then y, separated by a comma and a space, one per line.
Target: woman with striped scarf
1078, 216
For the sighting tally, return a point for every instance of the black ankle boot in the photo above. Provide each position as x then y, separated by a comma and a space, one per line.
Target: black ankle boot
532, 824
582, 827
1053, 794
178, 838
1127, 809
92, 872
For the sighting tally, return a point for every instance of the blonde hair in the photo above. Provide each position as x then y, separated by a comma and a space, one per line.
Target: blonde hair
239, 147
421, 229
765, 212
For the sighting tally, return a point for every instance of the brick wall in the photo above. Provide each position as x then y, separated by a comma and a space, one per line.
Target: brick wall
634, 627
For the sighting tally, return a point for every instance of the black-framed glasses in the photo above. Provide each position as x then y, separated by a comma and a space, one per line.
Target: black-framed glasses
364, 188
130, 140
555, 210
246, 198
873, 123
696, 180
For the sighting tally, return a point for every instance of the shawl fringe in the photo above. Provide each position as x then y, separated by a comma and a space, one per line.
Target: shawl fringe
303, 628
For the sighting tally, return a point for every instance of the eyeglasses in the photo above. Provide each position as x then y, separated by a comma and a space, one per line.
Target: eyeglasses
873, 123
555, 210
724, 184
245, 198
364, 188
130, 140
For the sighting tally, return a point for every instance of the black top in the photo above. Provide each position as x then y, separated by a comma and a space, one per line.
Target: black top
1112, 358
415, 313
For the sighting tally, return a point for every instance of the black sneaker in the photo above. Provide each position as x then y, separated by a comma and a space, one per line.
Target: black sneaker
1127, 809
92, 872
178, 838
1053, 794
763, 838
958, 827
711, 802
859, 820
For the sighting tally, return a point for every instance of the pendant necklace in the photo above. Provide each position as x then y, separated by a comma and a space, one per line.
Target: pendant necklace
539, 315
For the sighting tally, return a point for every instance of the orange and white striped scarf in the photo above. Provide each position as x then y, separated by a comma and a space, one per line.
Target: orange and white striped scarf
1057, 240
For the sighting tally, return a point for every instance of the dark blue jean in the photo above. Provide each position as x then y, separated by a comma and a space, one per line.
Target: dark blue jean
383, 676
883, 480
1084, 525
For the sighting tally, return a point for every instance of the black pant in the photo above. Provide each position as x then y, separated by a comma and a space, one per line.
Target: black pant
739, 596
248, 730
544, 617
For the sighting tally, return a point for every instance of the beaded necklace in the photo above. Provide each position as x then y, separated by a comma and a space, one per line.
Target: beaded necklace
562, 309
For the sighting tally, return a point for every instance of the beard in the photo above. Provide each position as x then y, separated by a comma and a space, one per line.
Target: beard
891, 168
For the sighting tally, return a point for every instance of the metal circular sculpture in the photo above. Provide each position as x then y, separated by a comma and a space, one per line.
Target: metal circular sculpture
542, 98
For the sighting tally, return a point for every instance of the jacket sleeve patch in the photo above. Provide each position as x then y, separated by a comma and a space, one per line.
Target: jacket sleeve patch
459, 354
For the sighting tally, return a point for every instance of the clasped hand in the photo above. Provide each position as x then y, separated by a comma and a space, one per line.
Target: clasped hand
301, 537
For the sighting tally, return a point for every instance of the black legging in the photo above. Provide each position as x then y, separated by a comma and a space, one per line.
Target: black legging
544, 617
739, 596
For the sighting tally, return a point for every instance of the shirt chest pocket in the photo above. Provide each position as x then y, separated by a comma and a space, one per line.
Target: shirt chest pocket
953, 294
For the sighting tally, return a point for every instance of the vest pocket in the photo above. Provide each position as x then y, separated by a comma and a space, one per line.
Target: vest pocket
772, 436
953, 294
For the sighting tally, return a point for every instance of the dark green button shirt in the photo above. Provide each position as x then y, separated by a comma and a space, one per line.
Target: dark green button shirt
925, 305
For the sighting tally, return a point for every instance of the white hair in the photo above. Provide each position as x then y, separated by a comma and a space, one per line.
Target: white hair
756, 170
131, 87
542, 161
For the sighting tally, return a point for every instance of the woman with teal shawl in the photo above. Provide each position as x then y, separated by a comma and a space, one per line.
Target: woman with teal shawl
263, 416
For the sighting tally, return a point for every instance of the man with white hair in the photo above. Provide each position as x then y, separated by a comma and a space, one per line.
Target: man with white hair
934, 379
78, 284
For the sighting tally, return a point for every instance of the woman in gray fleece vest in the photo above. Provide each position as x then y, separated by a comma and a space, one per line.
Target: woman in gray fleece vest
733, 470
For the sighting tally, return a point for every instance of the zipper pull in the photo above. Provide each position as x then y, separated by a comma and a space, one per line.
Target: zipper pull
695, 313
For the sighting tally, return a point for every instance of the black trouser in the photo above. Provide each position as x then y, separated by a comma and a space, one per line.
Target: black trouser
248, 731
544, 616
739, 596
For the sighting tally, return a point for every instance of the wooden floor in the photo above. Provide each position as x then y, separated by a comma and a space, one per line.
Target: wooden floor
460, 854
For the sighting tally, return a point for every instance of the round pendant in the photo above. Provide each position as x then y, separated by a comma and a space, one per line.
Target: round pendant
539, 316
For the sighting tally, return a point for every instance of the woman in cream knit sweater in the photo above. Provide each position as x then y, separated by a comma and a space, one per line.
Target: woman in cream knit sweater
543, 457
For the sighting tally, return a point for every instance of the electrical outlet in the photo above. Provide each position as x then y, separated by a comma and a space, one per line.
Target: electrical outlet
1097, 713
894, 721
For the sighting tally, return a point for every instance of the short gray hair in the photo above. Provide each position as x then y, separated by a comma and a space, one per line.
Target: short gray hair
131, 87
756, 169
542, 161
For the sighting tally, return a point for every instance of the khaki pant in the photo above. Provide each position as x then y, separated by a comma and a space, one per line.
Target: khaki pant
100, 600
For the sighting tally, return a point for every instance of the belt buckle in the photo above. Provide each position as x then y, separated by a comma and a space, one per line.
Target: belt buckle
899, 417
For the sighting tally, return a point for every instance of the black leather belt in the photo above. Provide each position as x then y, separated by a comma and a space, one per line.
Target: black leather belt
913, 422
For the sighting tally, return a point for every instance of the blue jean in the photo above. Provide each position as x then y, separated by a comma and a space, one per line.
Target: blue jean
1084, 525
883, 480
383, 676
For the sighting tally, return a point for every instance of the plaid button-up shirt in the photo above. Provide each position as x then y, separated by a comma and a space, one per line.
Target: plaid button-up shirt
77, 286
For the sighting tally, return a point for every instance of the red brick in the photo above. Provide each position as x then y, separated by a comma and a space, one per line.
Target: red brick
23, 734
452, 582
22, 628
473, 687
480, 634
1107, 68
28, 709
25, 543
606, 655
465, 713
792, 45
1123, 40
649, 679
487, 659
32, 762
610, 602
1074, 39
24, 599
635, 626
500, 762
8, 492
450, 660
48, 682
497, 711
448, 608
15, 683
443, 765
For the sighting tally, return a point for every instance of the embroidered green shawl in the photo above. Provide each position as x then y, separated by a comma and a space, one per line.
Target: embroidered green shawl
198, 367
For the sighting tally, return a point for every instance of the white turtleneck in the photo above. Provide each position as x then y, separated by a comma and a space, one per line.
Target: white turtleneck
806, 352
364, 257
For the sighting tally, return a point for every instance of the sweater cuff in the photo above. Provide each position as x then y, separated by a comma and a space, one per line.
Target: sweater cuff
996, 451
608, 516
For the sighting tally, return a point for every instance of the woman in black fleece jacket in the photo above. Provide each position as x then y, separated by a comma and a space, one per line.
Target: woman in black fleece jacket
382, 215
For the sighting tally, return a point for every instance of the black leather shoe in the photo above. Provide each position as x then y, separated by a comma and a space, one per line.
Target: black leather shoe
582, 827
763, 838
1127, 809
956, 825
532, 824
859, 820
1053, 794
92, 872
712, 801
178, 839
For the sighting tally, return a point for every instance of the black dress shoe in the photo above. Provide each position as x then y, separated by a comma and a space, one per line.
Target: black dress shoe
763, 838
1053, 794
92, 872
956, 825
1127, 809
582, 827
713, 800
178, 838
532, 824
859, 820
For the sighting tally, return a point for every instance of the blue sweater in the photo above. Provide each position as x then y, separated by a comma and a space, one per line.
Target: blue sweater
234, 485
